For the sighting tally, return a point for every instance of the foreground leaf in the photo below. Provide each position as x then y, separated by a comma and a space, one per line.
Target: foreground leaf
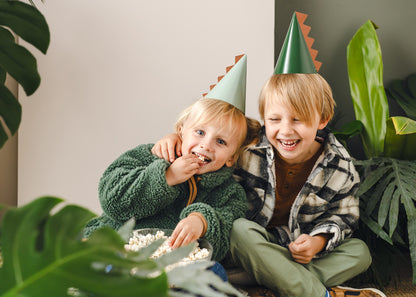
365, 72
44, 255
195, 279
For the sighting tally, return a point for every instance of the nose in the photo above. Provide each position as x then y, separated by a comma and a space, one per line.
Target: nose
206, 144
285, 127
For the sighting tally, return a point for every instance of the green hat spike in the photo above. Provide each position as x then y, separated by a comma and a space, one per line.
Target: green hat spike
232, 86
294, 56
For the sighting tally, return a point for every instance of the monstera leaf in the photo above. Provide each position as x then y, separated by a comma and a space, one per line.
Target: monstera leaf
387, 185
26, 22
43, 254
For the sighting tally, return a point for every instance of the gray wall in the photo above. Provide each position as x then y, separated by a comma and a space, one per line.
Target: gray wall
117, 74
334, 22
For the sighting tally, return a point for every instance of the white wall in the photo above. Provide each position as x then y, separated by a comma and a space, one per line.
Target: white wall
118, 73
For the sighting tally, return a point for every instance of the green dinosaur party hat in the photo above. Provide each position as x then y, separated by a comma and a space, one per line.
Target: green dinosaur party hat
295, 55
231, 87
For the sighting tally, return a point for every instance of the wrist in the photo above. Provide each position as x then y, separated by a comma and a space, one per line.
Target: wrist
170, 177
203, 221
322, 240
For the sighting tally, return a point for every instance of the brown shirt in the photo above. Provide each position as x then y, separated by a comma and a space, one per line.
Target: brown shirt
290, 179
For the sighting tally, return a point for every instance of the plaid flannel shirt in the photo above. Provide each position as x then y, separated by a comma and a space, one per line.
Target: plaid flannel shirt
325, 204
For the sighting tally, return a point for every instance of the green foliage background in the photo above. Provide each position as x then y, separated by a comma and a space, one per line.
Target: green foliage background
388, 189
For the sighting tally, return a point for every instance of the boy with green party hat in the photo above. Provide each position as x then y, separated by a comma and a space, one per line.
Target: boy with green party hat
195, 195
301, 187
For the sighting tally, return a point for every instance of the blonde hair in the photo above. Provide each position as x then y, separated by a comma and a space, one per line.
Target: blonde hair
207, 110
300, 91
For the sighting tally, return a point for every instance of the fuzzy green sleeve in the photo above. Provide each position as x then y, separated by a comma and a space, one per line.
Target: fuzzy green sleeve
134, 185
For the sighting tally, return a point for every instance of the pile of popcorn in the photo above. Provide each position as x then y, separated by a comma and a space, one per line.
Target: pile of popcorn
138, 241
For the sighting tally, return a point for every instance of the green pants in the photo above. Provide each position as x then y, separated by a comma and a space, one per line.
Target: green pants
255, 250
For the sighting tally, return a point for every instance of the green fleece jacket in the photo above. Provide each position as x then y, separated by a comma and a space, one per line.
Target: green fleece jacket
134, 185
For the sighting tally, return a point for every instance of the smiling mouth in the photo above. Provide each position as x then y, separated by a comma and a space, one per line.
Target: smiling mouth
289, 143
203, 159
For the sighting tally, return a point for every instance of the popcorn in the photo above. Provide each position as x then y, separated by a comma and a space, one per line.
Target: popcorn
138, 241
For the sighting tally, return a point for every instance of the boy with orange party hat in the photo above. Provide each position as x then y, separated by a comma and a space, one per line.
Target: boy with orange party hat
301, 187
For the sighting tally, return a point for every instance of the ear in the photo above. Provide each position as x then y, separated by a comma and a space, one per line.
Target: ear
323, 124
179, 131
230, 162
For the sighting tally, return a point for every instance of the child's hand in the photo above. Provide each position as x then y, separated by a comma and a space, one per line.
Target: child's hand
188, 229
182, 169
167, 146
305, 247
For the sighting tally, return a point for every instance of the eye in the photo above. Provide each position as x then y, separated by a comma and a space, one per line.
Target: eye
274, 119
200, 132
221, 141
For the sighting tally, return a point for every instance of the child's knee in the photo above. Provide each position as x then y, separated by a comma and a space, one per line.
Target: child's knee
361, 253
365, 258
239, 228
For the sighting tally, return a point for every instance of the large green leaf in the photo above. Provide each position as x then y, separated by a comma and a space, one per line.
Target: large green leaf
43, 255
404, 93
365, 71
2, 76
400, 141
10, 111
27, 22
18, 62
387, 184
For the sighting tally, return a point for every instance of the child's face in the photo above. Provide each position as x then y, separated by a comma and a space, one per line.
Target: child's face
293, 138
212, 144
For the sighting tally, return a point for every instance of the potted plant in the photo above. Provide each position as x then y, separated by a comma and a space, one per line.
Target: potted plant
388, 173
26, 22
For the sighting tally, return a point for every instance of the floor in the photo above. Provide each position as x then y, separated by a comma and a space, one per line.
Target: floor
405, 289
401, 287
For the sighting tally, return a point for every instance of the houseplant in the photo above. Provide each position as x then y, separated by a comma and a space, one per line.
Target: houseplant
44, 255
388, 189
26, 22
